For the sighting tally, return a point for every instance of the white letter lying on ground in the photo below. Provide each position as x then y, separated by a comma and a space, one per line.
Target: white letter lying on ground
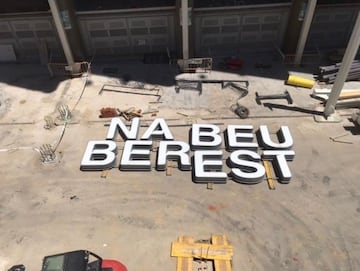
280, 158
99, 155
284, 136
208, 166
246, 167
240, 136
173, 150
136, 155
158, 130
117, 125
205, 136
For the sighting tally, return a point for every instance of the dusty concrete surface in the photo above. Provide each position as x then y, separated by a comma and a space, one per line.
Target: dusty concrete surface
312, 223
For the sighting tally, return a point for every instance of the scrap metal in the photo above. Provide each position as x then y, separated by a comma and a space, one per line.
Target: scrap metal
285, 95
186, 83
328, 73
47, 154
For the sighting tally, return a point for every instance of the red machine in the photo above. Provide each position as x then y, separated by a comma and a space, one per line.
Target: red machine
79, 260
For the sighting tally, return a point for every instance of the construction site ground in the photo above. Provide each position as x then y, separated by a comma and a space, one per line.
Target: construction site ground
312, 223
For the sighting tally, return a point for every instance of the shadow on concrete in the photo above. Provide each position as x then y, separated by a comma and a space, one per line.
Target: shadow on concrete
354, 130
34, 77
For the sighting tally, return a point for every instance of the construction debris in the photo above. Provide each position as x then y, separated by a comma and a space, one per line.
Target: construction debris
49, 122
197, 84
285, 95
128, 114
328, 74
47, 154
108, 112
336, 139
64, 112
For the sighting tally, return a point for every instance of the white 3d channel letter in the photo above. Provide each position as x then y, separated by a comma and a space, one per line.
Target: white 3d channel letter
205, 136
173, 150
284, 136
248, 169
116, 125
280, 158
99, 155
240, 136
136, 155
208, 166
159, 130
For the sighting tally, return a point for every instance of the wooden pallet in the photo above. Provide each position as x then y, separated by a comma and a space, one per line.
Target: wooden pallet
218, 250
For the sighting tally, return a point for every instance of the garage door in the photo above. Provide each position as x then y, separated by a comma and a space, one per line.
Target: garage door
224, 32
128, 35
27, 36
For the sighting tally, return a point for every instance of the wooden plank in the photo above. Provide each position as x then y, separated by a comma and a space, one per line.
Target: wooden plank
184, 263
169, 168
269, 177
202, 251
221, 265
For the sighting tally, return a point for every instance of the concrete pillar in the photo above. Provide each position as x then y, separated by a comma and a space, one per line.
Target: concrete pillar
185, 28
61, 32
305, 30
293, 27
69, 23
351, 50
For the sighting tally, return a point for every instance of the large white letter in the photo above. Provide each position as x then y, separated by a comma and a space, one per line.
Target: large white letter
136, 155
205, 136
117, 125
99, 155
208, 166
280, 164
240, 136
174, 150
158, 130
249, 170
284, 136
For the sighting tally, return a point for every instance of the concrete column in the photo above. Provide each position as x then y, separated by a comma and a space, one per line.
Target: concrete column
66, 24
61, 31
347, 60
305, 30
293, 27
185, 28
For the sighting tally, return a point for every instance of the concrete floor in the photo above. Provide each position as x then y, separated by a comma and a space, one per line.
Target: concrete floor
312, 223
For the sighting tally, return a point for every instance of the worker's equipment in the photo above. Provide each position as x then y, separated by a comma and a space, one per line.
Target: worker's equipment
300, 81
217, 249
192, 65
285, 95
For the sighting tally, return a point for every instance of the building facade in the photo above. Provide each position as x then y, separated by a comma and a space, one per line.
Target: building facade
134, 28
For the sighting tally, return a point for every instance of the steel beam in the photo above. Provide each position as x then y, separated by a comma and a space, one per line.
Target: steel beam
305, 31
61, 31
348, 58
185, 28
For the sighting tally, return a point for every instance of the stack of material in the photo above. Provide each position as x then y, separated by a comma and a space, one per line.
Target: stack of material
328, 73
348, 97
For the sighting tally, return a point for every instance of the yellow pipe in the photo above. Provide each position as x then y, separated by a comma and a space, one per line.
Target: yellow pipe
300, 81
